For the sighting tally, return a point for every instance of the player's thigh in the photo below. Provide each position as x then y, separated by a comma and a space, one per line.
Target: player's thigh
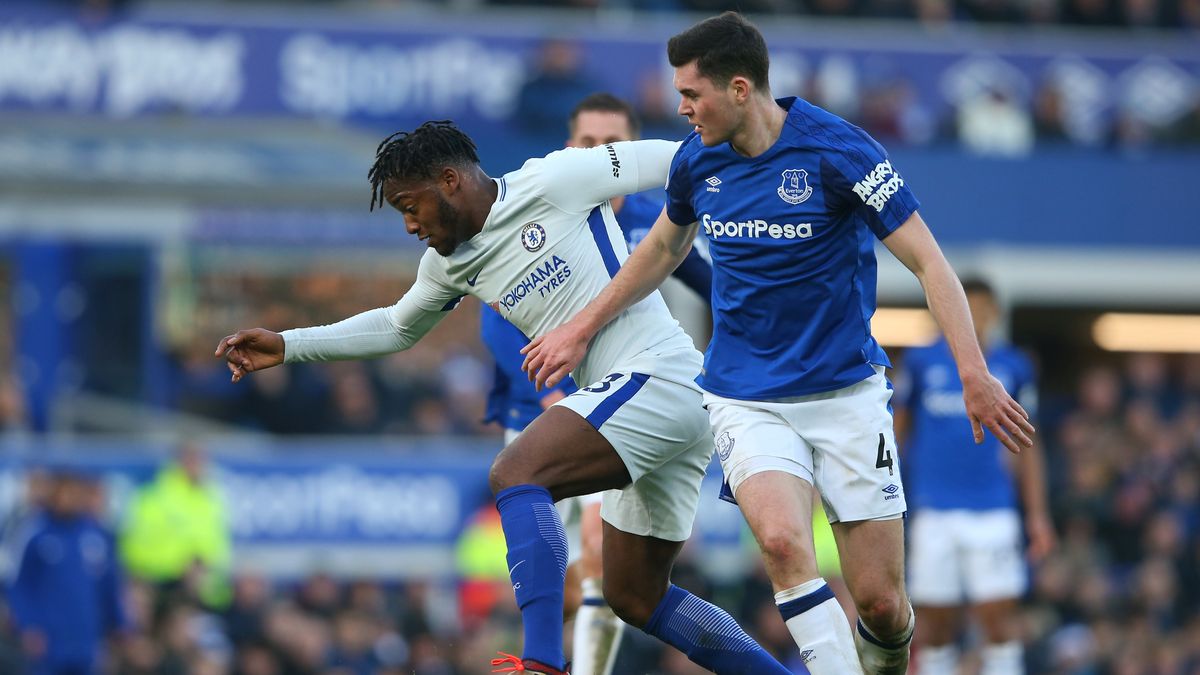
855, 464
659, 429
562, 452
872, 555
935, 559
994, 566
751, 438
778, 508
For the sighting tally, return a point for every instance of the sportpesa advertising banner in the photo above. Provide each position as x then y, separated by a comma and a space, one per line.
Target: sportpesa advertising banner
347, 507
404, 68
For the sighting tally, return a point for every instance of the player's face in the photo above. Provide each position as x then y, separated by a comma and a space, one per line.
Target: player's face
712, 110
597, 127
427, 214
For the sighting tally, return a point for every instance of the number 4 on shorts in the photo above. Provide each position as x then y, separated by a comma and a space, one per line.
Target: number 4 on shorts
884, 461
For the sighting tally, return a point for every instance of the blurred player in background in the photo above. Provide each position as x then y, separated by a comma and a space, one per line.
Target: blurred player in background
537, 244
965, 532
792, 198
67, 595
513, 401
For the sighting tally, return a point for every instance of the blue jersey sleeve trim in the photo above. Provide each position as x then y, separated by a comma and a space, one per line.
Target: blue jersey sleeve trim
600, 234
619, 398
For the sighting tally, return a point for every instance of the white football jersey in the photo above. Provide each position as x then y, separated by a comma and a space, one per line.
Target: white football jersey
548, 247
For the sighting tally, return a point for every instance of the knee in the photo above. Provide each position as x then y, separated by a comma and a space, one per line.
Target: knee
632, 604
787, 548
498, 478
884, 611
506, 473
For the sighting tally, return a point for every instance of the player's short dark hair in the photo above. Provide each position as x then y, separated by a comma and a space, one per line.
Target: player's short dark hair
419, 154
978, 285
606, 102
723, 47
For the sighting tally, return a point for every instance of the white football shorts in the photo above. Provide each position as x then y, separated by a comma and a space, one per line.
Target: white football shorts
660, 430
961, 556
840, 441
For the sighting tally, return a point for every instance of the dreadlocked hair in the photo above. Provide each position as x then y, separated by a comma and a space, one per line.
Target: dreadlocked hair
416, 155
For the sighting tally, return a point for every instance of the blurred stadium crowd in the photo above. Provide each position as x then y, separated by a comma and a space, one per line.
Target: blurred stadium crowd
1132, 14
1120, 596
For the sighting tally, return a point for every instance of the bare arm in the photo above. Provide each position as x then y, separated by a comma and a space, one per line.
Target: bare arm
988, 404
1031, 482
551, 357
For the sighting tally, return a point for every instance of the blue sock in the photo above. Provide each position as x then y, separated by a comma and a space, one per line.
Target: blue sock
537, 565
709, 636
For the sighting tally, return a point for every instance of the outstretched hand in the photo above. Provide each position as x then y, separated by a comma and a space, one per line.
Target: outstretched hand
551, 357
990, 406
249, 350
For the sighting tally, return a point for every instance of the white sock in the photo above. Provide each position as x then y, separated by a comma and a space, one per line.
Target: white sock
597, 633
818, 625
941, 660
885, 656
1006, 658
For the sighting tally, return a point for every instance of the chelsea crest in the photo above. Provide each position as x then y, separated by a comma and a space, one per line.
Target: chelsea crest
533, 236
795, 188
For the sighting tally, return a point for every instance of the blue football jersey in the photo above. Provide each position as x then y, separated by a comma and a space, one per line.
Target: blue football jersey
943, 468
513, 402
791, 235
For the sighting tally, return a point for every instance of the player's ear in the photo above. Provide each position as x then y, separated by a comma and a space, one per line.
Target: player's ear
741, 88
450, 180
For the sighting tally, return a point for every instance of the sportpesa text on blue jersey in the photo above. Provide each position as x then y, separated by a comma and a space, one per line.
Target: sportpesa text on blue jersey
943, 468
791, 236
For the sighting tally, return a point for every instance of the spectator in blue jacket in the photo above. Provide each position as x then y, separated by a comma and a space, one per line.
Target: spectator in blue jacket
66, 596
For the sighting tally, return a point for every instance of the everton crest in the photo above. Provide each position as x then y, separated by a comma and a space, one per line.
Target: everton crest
795, 188
533, 236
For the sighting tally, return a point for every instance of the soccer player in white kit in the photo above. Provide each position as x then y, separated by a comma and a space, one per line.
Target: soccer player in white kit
537, 244
792, 199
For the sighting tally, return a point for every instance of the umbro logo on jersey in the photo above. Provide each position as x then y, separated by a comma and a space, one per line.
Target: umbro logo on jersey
472, 280
891, 489
533, 237
713, 182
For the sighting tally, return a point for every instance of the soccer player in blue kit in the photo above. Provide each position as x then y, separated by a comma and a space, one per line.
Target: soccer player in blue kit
792, 199
513, 402
965, 528
537, 244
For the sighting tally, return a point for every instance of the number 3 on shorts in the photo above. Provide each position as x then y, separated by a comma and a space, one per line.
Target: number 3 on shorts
883, 461
605, 384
